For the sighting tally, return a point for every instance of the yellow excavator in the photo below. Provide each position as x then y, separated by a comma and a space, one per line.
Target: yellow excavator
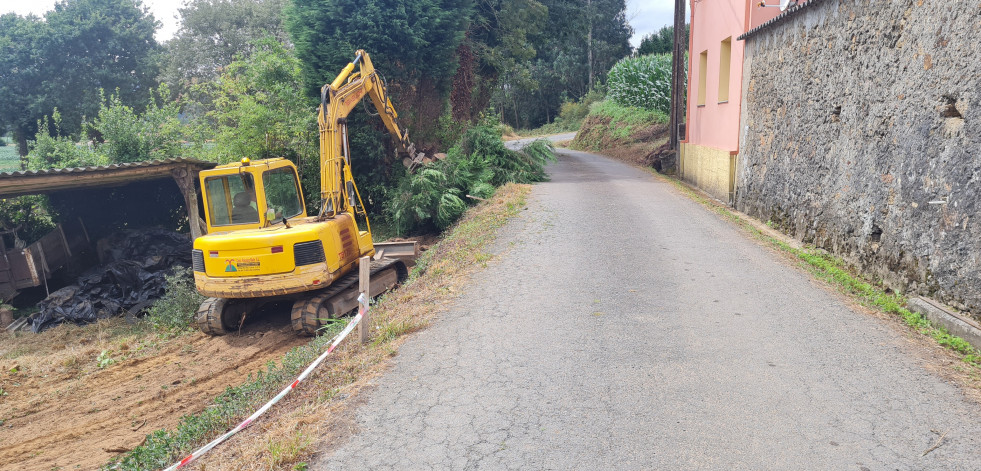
263, 246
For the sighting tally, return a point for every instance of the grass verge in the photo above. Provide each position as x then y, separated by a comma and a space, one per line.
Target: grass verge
836, 272
289, 433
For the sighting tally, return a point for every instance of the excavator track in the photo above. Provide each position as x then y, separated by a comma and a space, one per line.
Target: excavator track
209, 317
309, 311
219, 316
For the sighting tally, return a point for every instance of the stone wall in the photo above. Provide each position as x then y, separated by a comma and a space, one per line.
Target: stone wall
861, 134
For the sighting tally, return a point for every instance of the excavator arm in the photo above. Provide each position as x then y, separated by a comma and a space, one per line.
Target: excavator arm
338, 98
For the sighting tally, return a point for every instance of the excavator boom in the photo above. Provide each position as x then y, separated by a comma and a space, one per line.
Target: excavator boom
337, 100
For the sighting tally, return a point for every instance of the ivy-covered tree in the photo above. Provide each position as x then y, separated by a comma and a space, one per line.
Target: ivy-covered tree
498, 44
80, 48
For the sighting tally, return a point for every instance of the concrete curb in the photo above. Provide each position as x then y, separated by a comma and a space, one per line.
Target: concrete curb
941, 315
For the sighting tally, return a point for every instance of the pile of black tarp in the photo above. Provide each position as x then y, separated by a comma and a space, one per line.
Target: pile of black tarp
132, 276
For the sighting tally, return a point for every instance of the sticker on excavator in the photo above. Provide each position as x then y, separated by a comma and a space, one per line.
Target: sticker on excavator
242, 264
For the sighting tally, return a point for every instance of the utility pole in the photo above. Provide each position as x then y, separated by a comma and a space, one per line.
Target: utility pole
589, 42
677, 74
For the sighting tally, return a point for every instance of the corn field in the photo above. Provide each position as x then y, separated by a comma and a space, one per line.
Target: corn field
642, 82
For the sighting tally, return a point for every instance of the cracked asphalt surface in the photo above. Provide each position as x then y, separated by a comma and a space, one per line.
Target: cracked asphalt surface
623, 326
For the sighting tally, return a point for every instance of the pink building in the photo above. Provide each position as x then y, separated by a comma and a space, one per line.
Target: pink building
715, 67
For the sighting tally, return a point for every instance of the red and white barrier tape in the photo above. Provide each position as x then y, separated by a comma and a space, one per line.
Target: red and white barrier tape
362, 309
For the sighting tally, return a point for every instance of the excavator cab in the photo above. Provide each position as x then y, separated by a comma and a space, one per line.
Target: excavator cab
251, 195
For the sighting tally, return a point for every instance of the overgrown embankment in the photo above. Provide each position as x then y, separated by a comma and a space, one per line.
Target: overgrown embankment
632, 122
624, 132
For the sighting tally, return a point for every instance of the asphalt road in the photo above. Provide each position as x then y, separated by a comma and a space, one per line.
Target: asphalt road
623, 326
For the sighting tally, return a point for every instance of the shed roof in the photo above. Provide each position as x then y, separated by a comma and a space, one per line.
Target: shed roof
789, 12
47, 181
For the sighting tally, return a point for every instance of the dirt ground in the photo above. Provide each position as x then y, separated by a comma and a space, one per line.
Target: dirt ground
60, 409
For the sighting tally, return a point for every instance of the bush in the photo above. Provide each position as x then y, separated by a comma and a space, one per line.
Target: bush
128, 136
642, 82
576, 111
175, 310
50, 149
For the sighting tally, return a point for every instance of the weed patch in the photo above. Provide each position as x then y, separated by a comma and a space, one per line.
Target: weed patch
174, 311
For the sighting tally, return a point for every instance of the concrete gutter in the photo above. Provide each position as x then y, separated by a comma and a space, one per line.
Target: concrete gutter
942, 316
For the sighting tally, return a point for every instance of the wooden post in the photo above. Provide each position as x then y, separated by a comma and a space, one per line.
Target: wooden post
364, 273
184, 178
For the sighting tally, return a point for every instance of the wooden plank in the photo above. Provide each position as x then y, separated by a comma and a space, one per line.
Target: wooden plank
19, 269
64, 240
403, 250
54, 254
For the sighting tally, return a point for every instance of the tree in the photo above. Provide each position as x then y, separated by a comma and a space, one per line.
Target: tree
660, 42
124, 135
498, 43
575, 47
21, 104
214, 32
412, 42
413, 45
25, 219
82, 46
258, 108
53, 149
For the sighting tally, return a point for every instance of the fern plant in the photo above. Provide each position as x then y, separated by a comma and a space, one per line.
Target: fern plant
439, 193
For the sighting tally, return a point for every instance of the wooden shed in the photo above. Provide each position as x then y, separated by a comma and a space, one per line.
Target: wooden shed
30, 266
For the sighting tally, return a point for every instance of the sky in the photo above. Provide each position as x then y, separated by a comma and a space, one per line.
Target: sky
646, 16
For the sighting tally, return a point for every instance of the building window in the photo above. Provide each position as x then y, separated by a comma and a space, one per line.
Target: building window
703, 59
724, 55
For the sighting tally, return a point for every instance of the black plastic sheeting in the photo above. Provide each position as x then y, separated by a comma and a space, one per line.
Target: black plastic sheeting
137, 261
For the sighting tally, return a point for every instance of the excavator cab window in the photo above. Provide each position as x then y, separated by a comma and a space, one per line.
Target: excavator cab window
282, 192
231, 199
